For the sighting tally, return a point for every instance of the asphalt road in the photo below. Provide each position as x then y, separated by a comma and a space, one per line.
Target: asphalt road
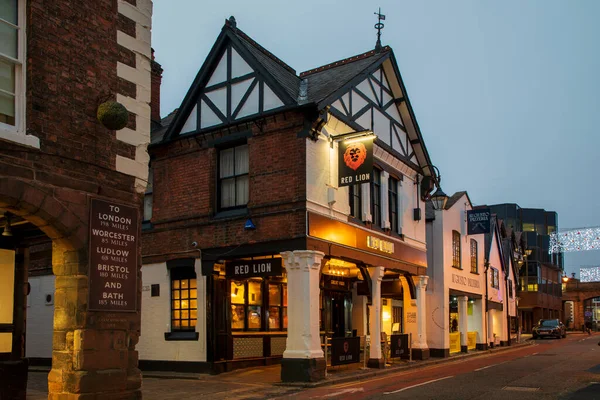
551, 369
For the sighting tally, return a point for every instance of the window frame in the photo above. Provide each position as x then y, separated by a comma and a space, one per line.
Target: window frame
234, 177
375, 200
264, 305
495, 278
393, 205
354, 200
181, 274
17, 132
474, 254
456, 250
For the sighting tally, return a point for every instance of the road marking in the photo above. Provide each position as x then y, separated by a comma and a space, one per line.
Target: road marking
521, 388
490, 366
339, 393
420, 384
535, 354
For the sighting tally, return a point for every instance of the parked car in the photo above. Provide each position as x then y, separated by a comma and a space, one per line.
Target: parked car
549, 328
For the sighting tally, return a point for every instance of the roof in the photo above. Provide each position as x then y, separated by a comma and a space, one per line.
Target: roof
159, 130
281, 72
327, 79
454, 199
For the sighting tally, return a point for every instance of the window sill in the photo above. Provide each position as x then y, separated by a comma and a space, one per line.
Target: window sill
475, 273
20, 138
147, 226
238, 212
459, 268
190, 336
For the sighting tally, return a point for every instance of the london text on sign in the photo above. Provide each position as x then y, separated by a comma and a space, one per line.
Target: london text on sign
113, 257
478, 221
355, 161
253, 268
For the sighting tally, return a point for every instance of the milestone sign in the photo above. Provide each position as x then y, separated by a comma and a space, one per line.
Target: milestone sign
478, 221
113, 257
355, 161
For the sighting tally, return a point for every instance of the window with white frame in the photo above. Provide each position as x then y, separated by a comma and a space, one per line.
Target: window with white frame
393, 203
376, 197
12, 76
474, 266
233, 177
456, 249
495, 278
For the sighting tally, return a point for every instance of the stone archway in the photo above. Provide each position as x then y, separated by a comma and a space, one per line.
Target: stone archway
93, 353
578, 293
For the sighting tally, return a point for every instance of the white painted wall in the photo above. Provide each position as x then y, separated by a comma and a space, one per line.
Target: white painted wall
40, 317
156, 319
444, 278
324, 196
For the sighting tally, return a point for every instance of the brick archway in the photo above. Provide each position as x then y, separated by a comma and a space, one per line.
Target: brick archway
89, 355
578, 293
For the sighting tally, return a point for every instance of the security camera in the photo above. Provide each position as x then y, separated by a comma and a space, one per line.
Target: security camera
194, 244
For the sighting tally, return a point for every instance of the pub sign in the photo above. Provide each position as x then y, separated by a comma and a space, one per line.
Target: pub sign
113, 257
345, 350
355, 161
399, 346
478, 221
253, 268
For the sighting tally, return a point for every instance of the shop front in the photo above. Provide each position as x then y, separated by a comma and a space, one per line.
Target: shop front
464, 321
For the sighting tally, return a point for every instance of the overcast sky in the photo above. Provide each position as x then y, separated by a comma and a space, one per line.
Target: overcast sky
507, 93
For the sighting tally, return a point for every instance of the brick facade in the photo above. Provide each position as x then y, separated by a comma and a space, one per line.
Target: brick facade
185, 191
75, 53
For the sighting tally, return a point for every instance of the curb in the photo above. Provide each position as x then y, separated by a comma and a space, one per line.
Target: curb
389, 370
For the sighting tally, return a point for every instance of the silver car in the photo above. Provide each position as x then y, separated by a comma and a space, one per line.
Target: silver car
549, 328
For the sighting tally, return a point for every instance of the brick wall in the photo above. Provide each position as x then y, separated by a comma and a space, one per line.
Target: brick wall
185, 190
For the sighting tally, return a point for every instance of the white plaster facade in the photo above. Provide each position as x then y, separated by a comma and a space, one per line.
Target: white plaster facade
156, 319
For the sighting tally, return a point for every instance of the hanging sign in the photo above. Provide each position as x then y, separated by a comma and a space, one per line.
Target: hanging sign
355, 161
478, 221
253, 268
113, 257
345, 350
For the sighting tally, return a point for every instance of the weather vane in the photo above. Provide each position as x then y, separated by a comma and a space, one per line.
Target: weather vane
379, 26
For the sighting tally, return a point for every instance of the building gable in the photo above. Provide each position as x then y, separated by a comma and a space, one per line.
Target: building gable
238, 81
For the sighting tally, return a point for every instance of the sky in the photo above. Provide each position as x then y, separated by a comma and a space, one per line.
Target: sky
506, 93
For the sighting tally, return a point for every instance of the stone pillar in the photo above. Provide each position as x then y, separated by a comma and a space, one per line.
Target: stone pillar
375, 357
463, 325
420, 349
303, 359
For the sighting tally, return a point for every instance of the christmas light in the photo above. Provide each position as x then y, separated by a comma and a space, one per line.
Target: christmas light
575, 240
589, 274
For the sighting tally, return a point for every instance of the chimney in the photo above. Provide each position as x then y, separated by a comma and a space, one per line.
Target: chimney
155, 81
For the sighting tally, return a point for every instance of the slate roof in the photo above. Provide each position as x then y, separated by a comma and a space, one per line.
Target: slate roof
326, 80
454, 198
158, 131
283, 73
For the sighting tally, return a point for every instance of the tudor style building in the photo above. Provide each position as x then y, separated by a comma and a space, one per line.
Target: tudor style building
254, 249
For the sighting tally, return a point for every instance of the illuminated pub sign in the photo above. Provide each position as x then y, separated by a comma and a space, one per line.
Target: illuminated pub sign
355, 161
113, 257
478, 221
253, 268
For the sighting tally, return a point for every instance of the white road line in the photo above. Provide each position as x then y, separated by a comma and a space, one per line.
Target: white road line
490, 366
535, 354
420, 384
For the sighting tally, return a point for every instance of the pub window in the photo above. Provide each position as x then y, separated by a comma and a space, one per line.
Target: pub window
277, 306
473, 256
495, 279
355, 200
246, 305
233, 177
184, 299
456, 249
376, 197
393, 203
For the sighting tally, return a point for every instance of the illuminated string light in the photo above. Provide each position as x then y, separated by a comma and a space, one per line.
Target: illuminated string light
589, 274
575, 240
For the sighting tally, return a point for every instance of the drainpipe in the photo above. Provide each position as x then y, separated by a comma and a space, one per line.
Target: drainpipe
487, 339
506, 299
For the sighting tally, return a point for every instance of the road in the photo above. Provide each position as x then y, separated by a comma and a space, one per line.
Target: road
566, 369
551, 369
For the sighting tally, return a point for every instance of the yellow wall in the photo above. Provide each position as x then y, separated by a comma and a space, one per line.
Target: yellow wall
5, 342
7, 286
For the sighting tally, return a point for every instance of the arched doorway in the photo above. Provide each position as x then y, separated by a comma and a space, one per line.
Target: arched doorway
84, 343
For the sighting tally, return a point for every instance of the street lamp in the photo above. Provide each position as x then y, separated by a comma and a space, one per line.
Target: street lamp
565, 278
439, 199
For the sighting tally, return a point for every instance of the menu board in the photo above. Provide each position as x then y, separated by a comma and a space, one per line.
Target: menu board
113, 257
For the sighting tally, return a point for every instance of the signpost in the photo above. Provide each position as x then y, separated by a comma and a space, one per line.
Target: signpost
478, 221
113, 257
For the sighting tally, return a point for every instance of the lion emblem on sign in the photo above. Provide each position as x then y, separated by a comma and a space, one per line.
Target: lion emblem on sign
355, 155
